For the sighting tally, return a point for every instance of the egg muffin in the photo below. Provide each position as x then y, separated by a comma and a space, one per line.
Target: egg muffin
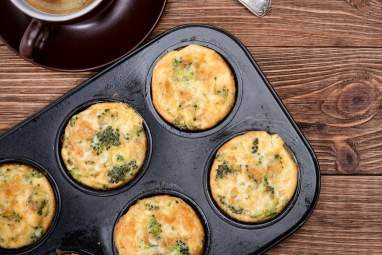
160, 224
253, 177
193, 88
27, 205
104, 146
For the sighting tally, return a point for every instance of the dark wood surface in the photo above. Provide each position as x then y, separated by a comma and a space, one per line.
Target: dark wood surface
324, 59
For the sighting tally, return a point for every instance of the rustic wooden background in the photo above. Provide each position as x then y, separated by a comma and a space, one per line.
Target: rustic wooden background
324, 59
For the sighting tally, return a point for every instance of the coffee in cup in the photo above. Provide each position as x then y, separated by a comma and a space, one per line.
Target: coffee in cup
59, 7
44, 12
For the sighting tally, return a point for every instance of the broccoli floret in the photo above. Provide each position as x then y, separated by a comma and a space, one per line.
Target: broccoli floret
151, 207
279, 158
73, 121
255, 145
182, 248
14, 216
268, 186
155, 228
37, 233
270, 212
104, 139
223, 170
177, 61
36, 174
118, 173
42, 208
183, 71
236, 210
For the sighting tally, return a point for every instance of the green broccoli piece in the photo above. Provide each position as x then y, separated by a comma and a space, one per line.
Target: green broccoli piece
223, 170
42, 207
151, 207
14, 216
177, 61
255, 145
182, 248
118, 173
104, 139
73, 121
268, 186
155, 228
270, 212
37, 233
183, 71
36, 174
236, 210
120, 158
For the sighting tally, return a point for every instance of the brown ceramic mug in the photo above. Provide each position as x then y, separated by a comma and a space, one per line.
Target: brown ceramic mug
37, 32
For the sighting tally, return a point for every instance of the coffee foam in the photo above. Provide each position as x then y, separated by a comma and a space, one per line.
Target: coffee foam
59, 7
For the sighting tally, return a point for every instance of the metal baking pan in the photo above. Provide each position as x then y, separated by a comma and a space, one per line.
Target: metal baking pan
177, 162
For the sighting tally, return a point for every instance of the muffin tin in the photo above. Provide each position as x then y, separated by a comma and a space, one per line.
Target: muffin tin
178, 161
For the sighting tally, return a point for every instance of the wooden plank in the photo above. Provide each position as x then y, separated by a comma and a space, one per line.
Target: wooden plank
327, 70
337, 23
302, 23
333, 93
335, 96
347, 219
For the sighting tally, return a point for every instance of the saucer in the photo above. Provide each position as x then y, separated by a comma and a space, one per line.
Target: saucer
109, 32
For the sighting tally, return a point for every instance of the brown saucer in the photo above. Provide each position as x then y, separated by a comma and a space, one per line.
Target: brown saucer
106, 34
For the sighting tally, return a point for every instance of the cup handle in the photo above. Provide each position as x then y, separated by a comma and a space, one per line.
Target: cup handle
34, 38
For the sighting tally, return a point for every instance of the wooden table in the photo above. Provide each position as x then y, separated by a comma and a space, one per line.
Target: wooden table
324, 59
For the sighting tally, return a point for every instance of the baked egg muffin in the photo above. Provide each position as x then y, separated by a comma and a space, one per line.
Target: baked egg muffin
104, 146
27, 205
160, 224
253, 177
193, 88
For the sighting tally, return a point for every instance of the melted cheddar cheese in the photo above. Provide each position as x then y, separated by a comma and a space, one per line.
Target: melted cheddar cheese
193, 88
27, 205
160, 225
104, 146
253, 177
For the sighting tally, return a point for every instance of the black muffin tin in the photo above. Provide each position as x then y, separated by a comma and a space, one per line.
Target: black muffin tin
177, 163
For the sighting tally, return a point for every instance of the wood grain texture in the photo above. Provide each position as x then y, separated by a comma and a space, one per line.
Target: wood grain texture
347, 219
334, 94
324, 59
335, 23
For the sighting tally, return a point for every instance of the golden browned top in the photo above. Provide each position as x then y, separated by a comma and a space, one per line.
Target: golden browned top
193, 88
253, 176
104, 146
160, 225
27, 205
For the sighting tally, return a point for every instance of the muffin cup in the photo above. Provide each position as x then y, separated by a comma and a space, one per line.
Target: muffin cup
171, 192
219, 126
89, 190
53, 184
221, 213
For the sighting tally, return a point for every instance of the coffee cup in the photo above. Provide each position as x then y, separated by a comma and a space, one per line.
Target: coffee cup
44, 12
